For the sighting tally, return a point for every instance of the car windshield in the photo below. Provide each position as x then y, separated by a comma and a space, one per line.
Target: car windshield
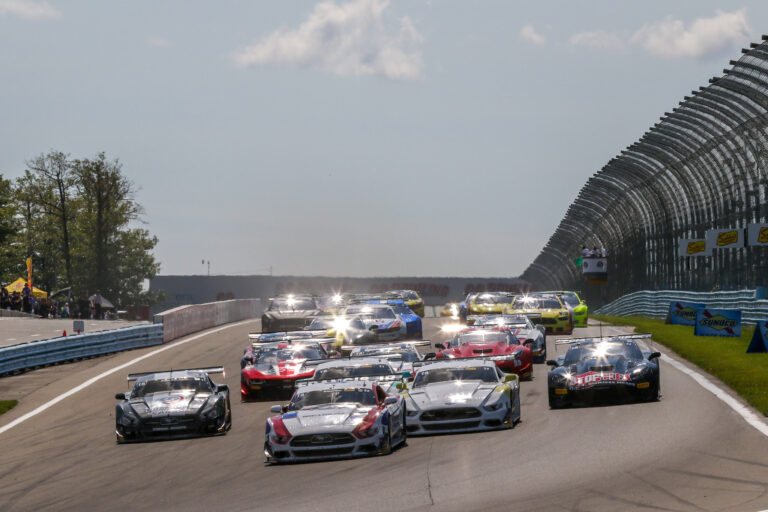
536, 303
493, 299
516, 323
273, 355
372, 313
147, 387
401, 309
476, 338
363, 396
571, 300
302, 304
321, 323
481, 373
408, 356
407, 295
346, 372
608, 350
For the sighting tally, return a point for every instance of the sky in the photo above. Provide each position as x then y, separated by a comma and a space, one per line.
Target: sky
353, 137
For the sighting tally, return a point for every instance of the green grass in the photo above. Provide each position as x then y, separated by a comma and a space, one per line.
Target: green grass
7, 405
725, 358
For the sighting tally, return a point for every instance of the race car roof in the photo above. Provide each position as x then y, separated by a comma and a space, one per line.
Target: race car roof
175, 374
390, 347
358, 361
320, 385
436, 364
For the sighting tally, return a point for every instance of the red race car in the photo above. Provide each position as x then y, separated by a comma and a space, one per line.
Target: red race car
277, 366
498, 345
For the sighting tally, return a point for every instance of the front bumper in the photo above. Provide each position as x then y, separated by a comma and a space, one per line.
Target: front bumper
343, 445
447, 420
283, 324
171, 428
251, 390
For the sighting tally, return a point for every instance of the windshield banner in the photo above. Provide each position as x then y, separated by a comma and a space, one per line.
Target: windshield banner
684, 313
718, 322
759, 341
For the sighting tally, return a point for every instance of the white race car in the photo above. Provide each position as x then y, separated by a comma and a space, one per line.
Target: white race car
381, 370
401, 355
461, 395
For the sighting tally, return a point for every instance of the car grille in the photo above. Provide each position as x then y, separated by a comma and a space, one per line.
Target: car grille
170, 421
604, 368
547, 321
328, 452
451, 426
483, 351
321, 440
455, 413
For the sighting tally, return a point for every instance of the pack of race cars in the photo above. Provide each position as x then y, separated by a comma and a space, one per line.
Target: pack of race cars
359, 385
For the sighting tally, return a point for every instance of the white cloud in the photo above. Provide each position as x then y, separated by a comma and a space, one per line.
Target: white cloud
28, 9
704, 37
599, 40
528, 34
671, 38
347, 39
157, 42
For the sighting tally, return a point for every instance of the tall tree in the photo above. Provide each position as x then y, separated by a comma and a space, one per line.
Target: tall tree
9, 249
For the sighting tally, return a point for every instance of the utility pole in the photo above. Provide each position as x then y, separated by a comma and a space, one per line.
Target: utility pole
209, 266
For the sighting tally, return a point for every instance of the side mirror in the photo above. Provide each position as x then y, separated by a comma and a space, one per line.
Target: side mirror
654, 355
276, 409
440, 346
429, 355
510, 377
552, 363
120, 396
222, 387
390, 400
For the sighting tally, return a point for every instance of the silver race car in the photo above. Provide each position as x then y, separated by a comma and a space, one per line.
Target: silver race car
532, 336
401, 355
383, 371
461, 395
333, 420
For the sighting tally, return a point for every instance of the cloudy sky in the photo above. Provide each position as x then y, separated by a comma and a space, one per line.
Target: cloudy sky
357, 138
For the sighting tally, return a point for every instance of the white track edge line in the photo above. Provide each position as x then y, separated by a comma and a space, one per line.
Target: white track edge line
740, 409
100, 376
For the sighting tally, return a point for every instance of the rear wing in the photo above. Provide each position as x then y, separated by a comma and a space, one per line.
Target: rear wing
570, 341
283, 336
209, 370
395, 344
506, 357
370, 378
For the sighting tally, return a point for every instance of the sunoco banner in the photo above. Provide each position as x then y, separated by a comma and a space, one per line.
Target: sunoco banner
718, 322
684, 313
693, 247
759, 341
732, 238
757, 234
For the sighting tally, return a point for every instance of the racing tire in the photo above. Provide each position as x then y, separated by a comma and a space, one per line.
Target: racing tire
388, 449
556, 402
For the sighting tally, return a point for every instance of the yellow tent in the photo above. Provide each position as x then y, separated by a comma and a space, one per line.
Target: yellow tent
18, 286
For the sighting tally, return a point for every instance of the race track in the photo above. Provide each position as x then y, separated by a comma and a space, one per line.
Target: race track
687, 452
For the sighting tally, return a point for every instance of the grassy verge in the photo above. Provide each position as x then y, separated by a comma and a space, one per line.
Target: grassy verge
725, 358
7, 405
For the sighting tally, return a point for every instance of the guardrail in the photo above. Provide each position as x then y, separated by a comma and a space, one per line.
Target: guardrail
656, 303
58, 350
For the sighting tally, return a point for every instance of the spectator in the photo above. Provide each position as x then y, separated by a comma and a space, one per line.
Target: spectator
603, 252
97, 304
65, 310
16, 301
5, 299
595, 253
25, 294
584, 252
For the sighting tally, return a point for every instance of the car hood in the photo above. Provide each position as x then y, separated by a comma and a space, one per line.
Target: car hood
330, 416
170, 403
605, 364
281, 368
452, 393
483, 350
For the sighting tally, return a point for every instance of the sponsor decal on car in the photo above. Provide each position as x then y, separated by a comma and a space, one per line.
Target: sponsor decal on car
594, 378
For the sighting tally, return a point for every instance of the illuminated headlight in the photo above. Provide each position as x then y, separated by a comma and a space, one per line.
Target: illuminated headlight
504, 358
494, 407
255, 382
639, 371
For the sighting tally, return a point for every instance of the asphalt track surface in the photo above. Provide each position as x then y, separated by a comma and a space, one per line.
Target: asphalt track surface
687, 452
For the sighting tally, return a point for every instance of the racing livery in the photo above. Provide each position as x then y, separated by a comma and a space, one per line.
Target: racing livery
489, 303
381, 370
459, 396
413, 329
547, 310
594, 368
411, 298
277, 366
379, 319
579, 308
172, 403
401, 356
288, 313
333, 420
497, 345
530, 335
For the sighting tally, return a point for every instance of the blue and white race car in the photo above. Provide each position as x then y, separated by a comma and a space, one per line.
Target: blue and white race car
412, 321
380, 319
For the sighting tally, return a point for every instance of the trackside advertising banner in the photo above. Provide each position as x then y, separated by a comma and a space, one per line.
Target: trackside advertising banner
732, 238
718, 322
684, 313
757, 234
759, 341
693, 247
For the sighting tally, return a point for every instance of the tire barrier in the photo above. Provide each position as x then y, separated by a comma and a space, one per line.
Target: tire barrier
183, 320
68, 348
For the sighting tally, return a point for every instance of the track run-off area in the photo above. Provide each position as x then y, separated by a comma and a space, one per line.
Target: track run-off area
688, 452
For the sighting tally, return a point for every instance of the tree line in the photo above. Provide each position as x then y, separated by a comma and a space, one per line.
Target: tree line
79, 221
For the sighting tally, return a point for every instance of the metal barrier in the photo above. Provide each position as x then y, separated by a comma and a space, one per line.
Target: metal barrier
183, 320
68, 348
656, 303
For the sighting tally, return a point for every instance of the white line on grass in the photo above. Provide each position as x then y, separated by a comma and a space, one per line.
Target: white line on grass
740, 409
100, 376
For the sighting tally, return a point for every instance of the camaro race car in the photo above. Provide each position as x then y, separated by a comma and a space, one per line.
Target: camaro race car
489, 303
530, 335
497, 345
461, 395
411, 298
288, 313
579, 308
277, 366
595, 367
172, 403
335, 419
544, 309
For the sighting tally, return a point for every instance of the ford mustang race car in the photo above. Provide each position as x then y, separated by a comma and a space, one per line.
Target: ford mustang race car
401, 355
288, 313
489, 303
497, 345
172, 403
530, 335
333, 420
461, 395
546, 310
379, 319
277, 366
381, 370
411, 298
595, 368
579, 308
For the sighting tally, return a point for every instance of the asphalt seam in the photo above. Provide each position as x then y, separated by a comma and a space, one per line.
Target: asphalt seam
106, 373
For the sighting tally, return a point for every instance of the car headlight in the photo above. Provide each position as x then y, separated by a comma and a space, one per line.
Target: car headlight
494, 406
639, 371
128, 419
411, 413
563, 314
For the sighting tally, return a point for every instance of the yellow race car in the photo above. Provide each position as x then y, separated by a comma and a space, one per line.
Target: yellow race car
411, 299
547, 310
489, 303
579, 307
451, 310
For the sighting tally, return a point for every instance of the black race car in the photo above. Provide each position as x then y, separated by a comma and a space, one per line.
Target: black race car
172, 403
290, 313
599, 368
